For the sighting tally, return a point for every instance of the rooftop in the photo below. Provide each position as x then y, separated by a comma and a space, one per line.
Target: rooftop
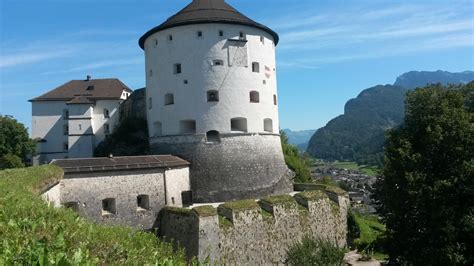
87, 165
83, 91
207, 11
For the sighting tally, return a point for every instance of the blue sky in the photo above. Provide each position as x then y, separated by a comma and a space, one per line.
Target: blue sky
329, 50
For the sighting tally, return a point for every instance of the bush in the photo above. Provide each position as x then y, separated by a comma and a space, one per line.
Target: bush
32, 233
299, 164
10, 161
315, 252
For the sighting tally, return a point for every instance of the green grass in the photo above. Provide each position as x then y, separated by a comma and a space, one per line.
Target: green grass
31, 232
365, 169
205, 211
241, 205
371, 233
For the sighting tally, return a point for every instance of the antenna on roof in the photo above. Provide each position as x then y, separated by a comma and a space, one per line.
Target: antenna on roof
88, 77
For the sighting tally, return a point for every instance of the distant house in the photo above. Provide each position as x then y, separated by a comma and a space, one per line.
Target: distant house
69, 121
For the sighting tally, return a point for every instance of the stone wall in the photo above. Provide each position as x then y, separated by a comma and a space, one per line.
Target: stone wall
260, 232
241, 165
134, 106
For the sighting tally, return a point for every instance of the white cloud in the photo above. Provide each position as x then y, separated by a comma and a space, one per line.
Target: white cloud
16, 59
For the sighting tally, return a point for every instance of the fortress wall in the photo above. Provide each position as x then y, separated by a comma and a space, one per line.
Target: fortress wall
242, 165
259, 233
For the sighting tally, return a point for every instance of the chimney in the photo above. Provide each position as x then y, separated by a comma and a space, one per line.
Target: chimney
88, 78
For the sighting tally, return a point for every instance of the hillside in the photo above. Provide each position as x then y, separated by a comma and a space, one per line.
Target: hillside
33, 233
299, 138
358, 134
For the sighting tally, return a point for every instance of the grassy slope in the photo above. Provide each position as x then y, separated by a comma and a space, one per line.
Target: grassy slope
368, 170
371, 230
33, 233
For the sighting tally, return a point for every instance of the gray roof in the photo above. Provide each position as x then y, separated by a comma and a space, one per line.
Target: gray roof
82, 90
207, 11
88, 165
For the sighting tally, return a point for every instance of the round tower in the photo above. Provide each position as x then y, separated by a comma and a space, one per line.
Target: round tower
211, 92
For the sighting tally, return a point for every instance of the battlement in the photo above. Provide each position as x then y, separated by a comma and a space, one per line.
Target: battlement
257, 231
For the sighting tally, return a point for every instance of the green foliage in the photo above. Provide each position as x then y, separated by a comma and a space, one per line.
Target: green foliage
128, 139
32, 233
315, 252
14, 141
10, 161
295, 161
426, 192
358, 135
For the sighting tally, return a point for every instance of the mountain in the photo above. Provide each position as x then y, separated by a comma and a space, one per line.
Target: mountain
359, 134
415, 79
299, 138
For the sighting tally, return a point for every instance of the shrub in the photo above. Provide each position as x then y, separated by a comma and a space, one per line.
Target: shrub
299, 164
10, 161
315, 252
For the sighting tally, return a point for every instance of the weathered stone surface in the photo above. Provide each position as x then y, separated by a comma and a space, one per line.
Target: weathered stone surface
253, 236
134, 106
240, 166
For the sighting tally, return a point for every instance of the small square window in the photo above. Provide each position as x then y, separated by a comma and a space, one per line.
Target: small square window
217, 62
170, 37
262, 39
185, 81
221, 33
143, 203
264, 82
108, 207
241, 35
199, 34
177, 68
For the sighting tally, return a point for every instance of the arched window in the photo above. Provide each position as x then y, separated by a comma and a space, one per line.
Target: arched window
106, 113
213, 136
169, 99
158, 129
268, 125
188, 126
274, 99
238, 124
212, 96
256, 67
150, 103
254, 97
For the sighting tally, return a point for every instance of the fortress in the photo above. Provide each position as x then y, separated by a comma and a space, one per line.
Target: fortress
212, 112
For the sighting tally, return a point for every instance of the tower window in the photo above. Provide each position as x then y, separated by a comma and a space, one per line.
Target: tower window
213, 136
150, 103
108, 206
274, 99
254, 97
221, 33
143, 202
80, 127
65, 129
268, 125
150, 73
169, 99
213, 96
106, 129
156, 42
65, 146
185, 81
188, 126
177, 68
262, 39
242, 35
264, 82
158, 129
256, 67
238, 124
217, 62
106, 113
66, 114
199, 34
170, 37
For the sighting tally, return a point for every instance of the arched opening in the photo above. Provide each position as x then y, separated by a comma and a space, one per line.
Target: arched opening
188, 126
169, 99
238, 124
254, 97
212, 96
158, 129
108, 206
268, 125
213, 136
143, 202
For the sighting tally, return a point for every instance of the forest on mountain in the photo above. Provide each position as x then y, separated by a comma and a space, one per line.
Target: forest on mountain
359, 134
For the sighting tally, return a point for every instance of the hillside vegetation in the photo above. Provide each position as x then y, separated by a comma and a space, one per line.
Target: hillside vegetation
32, 233
359, 134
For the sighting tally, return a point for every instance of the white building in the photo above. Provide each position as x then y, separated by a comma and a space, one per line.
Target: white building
69, 121
211, 93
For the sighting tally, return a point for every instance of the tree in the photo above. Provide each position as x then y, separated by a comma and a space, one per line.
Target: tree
128, 139
296, 162
426, 194
14, 142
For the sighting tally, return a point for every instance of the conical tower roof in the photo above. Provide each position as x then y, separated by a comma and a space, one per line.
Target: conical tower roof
207, 11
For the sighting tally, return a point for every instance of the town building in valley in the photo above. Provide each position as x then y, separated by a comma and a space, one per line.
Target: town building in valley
69, 121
